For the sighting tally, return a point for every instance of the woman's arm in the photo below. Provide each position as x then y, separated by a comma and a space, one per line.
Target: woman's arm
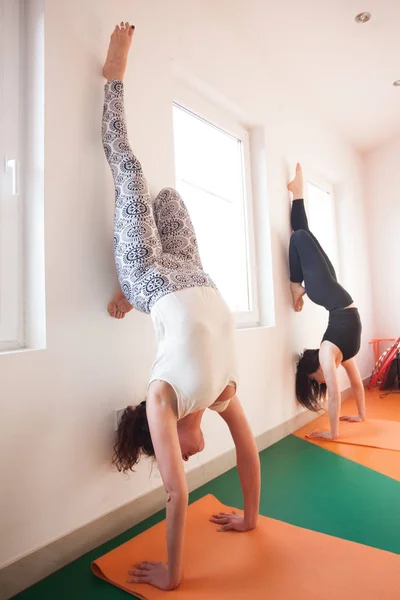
162, 422
334, 397
357, 386
248, 463
327, 361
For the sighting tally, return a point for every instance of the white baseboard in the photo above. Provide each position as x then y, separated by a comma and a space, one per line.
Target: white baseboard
33, 567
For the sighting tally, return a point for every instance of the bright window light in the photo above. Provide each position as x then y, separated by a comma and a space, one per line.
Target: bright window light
321, 218
211, 177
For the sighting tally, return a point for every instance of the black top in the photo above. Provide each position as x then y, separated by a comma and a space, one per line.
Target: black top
344, 330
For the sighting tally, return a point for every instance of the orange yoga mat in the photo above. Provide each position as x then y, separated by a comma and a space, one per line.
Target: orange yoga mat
374, 433
383, 461
276, 561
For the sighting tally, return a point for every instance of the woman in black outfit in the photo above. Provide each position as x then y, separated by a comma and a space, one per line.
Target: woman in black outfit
317, 369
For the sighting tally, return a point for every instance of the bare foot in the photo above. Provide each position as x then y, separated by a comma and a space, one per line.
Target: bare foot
115, 65
296, 186
298, 292
119, 306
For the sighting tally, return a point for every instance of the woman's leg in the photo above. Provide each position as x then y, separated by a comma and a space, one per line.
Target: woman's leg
305, 252
137, 245
136, 241
308, 264
177, 236
175, 226
298, 217
145, 272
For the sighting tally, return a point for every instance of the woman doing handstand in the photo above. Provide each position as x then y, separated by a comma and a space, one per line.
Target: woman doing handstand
317, 369
160, 273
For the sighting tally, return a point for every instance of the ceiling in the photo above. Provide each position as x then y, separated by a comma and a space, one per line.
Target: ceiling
341, 69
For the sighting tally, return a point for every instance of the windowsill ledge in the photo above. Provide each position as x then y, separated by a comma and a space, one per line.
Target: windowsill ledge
6, 351
253, 327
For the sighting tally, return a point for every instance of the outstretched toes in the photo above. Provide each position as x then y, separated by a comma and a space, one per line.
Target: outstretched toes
117, 56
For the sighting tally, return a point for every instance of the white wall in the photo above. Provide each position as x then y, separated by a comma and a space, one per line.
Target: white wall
382, 179
56, 428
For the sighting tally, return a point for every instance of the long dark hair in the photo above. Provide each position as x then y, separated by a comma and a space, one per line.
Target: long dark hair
133, 438
310, 393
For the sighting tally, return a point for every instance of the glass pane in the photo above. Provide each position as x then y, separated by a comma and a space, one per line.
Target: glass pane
321, 219
209, 170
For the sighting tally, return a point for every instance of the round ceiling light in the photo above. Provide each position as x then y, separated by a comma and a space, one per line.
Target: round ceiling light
396, 83
363, 17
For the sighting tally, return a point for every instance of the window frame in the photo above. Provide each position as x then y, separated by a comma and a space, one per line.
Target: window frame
200, 107
327, 186
11, 214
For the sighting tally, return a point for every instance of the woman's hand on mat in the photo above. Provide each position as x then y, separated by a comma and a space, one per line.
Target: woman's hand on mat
322, 435
352, 418
153, 573
230, 522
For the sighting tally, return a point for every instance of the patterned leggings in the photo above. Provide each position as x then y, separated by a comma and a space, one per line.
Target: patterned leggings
155, 247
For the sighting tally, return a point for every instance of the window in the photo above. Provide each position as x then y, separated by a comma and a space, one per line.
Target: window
321, 217
22, 290
212, 166
11, 317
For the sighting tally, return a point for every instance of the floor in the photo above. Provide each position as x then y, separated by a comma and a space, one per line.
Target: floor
380, 405
303, 483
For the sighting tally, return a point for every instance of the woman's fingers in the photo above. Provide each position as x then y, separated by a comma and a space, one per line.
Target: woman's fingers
223, 518
137, 579
351, 418
220, 520
139, 574
143, 572
226, 527
145, 564
138, 570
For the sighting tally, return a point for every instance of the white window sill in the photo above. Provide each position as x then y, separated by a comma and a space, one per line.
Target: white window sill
6, 351
252, 326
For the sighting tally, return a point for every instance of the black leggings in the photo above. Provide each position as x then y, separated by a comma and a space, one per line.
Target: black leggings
309, 263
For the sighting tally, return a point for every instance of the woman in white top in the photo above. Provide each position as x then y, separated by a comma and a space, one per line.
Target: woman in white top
160, 273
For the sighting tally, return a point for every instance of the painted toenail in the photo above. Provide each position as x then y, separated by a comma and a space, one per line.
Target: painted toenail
133, 27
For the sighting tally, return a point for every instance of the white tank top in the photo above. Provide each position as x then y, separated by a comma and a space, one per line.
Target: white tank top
195, 347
